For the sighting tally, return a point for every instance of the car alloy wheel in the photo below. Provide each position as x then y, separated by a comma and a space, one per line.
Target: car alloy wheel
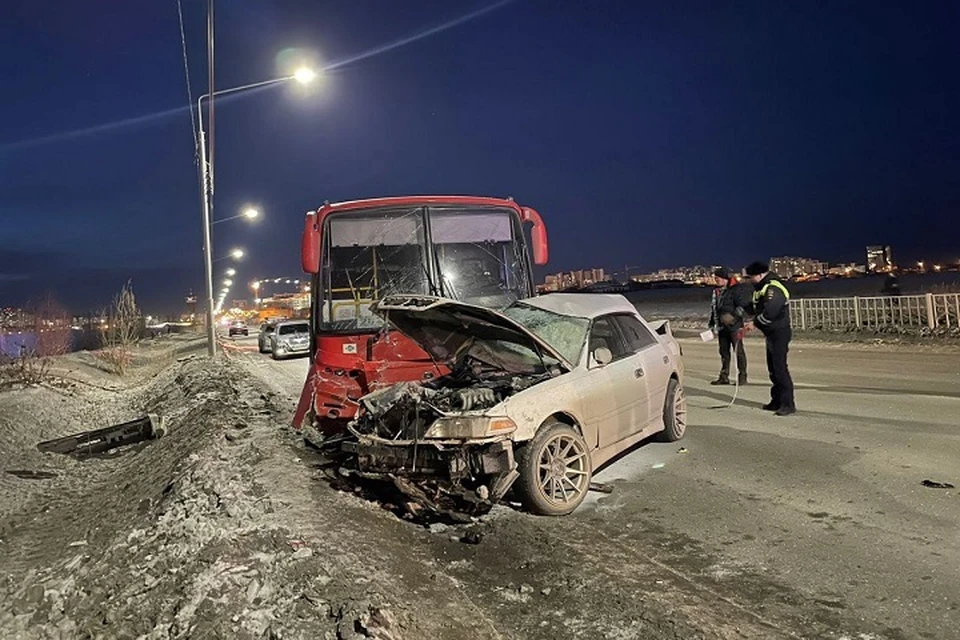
554, 470
674, 412
563, 468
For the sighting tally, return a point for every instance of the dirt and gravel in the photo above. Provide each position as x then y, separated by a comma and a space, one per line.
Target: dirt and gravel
227, 528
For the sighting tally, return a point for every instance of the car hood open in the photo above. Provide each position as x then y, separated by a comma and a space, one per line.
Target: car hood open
442, 327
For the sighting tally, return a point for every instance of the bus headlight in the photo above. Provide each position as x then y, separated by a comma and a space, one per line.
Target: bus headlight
467, 427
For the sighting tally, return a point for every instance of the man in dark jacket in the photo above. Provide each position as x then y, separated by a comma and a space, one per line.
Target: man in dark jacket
727, 306
771, 309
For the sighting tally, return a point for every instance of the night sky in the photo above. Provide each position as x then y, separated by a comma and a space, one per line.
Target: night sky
649, 134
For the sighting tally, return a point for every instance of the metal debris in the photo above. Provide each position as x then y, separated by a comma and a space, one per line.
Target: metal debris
90, 443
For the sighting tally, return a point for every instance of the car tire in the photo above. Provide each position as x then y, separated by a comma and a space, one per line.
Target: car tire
260, 346
544, 491
674, 413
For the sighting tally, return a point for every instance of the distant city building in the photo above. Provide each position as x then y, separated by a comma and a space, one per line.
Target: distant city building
791, 267
879, 258
573, 279
688, 275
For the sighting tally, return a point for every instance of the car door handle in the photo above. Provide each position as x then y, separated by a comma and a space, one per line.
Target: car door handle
638, 372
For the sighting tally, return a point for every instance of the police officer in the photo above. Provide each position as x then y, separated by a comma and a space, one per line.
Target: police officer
771, 308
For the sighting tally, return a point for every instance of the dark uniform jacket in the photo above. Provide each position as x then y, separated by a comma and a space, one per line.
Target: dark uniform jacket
771, 304
728, 306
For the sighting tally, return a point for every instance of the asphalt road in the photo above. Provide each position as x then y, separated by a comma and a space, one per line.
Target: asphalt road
814, 525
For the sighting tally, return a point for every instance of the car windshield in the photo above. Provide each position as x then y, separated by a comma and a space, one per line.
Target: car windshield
300, 327
566, 334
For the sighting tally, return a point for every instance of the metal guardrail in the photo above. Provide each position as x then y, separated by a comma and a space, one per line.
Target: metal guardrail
929, 311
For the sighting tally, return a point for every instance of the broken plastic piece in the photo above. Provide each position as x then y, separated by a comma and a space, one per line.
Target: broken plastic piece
89, 443
682, 450
601, 487
933, 484
474, 537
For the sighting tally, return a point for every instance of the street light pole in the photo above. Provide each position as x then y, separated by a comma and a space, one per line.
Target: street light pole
207, 240
303, 76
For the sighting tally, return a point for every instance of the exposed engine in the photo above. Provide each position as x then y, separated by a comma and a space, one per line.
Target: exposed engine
405, 411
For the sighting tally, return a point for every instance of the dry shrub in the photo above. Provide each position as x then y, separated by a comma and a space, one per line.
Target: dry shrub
52, 337
122, 331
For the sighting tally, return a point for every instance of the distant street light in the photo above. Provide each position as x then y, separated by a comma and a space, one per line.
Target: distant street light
231, 272
228, 282
303, 75
235, 254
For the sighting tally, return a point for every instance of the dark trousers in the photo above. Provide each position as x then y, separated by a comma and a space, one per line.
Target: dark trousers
778, 344
727, 340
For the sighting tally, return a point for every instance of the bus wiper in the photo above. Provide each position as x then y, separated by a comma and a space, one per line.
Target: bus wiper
433, 288
445, 288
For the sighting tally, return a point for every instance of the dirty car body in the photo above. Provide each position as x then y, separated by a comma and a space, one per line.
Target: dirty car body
542, 392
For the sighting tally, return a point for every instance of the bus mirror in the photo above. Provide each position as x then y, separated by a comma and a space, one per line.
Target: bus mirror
538, 234
310, 244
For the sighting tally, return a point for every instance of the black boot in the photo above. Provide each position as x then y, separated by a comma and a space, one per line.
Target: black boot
742, 379
721, 380
771, 406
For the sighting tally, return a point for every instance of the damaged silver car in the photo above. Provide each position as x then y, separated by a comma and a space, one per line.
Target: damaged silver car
538, 396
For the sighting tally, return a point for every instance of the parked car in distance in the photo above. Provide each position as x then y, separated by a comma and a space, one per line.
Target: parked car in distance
238, 328
263, 338
539, 395
291, 337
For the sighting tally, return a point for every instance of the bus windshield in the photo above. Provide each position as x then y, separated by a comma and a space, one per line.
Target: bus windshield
472, 254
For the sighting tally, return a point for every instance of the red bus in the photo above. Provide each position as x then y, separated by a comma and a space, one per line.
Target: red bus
472, 249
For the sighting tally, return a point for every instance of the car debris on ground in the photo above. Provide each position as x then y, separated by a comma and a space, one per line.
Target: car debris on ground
933, 484
98, 441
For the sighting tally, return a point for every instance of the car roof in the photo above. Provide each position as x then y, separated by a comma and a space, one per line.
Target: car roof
294, 321
582, 305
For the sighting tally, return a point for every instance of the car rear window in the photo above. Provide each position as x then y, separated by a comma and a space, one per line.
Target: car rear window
638, 337
293, 328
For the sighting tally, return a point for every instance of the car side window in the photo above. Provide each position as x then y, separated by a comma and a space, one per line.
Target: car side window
638, 337
604, 334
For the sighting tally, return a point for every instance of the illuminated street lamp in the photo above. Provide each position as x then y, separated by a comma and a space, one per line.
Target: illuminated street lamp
231, 272
228, 282
302, 75
249, 213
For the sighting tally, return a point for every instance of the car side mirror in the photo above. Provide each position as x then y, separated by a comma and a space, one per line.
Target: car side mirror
602, 356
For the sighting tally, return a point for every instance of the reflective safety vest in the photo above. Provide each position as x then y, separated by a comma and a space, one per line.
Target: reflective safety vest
757, 295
